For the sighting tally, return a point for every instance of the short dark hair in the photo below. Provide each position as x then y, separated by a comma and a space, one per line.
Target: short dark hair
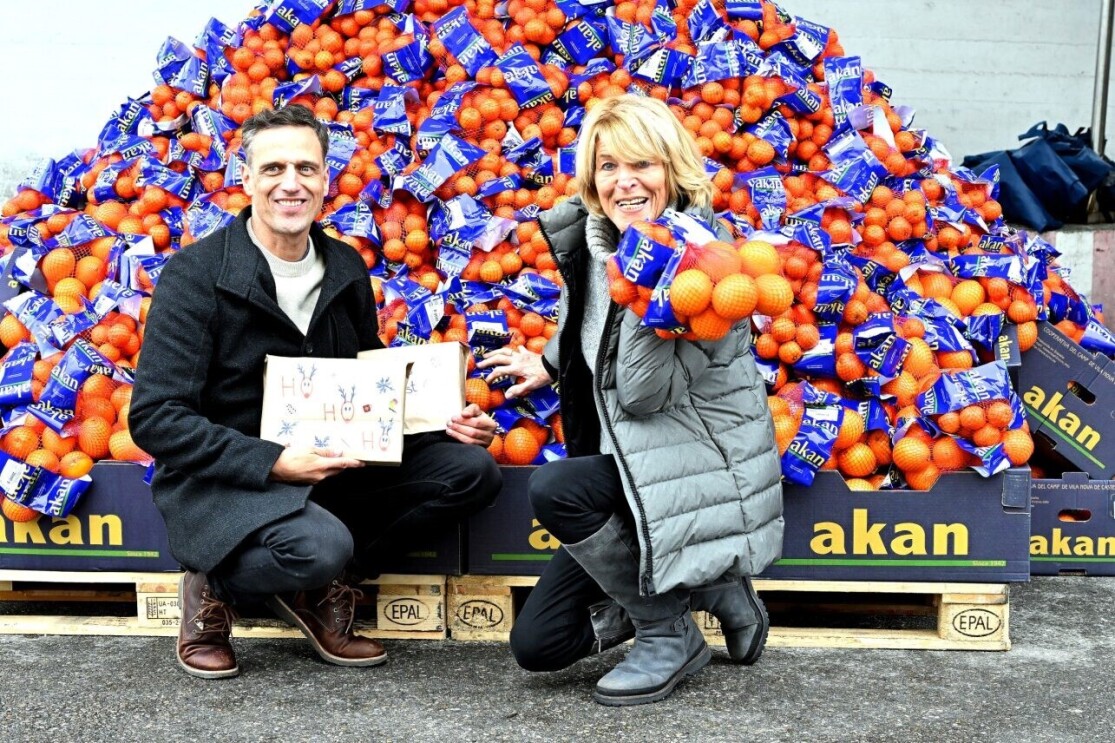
295, 115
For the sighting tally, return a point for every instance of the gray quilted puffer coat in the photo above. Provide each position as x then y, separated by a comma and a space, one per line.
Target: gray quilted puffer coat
691, 430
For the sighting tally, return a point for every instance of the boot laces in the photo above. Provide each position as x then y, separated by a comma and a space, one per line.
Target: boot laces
214, 615
342, 598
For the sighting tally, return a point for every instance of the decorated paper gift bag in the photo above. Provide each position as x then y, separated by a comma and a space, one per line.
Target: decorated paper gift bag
352, 405
436, 385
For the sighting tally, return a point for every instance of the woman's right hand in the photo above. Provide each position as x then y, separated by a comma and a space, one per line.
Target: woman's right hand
525, 366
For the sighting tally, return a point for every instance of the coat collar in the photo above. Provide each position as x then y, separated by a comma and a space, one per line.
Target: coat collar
245, 272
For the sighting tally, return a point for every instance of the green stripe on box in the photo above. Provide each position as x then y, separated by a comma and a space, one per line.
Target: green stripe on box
791, 561
75, 553
1072, 559
1063, 436
516, 557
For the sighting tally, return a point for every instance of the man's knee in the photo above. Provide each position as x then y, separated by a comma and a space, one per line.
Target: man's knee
478, 478
313, 557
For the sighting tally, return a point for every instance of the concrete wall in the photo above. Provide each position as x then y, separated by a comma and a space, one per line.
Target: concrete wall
978, 73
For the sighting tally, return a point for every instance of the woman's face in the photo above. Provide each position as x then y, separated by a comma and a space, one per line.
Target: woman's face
629, 191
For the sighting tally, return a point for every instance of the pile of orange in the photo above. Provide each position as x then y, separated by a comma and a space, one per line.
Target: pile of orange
353, 56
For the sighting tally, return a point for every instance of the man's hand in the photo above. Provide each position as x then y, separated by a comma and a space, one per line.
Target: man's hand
472, 426
309, 466
525, 366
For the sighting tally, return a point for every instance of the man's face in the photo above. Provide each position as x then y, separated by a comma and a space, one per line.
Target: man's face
287, 180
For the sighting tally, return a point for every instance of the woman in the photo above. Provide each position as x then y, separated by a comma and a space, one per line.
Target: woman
671, 491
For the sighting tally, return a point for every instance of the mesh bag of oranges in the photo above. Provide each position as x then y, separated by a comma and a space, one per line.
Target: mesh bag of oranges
980, 412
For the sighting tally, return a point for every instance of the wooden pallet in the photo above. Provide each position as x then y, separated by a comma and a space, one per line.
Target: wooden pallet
959, 616
409, 607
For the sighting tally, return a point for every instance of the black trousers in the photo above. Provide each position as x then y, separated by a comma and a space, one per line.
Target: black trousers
357, 517
573, 499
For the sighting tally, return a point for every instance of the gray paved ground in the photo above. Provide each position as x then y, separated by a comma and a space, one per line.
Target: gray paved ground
1055, 685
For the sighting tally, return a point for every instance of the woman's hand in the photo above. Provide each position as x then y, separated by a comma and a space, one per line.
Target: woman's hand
525, 366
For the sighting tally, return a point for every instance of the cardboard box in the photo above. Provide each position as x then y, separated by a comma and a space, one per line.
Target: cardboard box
115, 527
1069, 395
443, 555
966, 528
1072, 526
506, 539
970, 528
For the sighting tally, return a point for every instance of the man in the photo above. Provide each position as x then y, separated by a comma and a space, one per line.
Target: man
250, 520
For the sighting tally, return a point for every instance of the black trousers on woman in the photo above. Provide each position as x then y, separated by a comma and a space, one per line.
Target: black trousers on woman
572, 499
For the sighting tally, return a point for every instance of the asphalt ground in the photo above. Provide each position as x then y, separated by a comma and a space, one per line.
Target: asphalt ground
1054, 685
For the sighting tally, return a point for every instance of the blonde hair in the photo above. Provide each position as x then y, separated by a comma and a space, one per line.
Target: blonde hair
633, 128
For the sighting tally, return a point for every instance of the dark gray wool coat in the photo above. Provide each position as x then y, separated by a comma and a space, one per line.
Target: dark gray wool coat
199, 386
689, 423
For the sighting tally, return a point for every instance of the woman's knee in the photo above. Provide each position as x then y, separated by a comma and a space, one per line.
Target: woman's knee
534, 651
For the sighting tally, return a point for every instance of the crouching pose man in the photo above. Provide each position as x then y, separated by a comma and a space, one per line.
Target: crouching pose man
250, 520
671, 496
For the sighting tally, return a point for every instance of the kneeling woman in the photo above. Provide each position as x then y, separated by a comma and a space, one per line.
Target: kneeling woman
671, 494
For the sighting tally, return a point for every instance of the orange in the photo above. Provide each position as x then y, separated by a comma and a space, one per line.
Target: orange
849, 367
44, 458
910, 454
520, 447
123, 449
759, 258
972, 418
718, 260
690, 292
923, 479
857, 460
999, 414
1018, 446
16, 512
476, 391
967, 295
851, 429
947, 454
783, 329
496, 448
75, 464
775, 294
904, 387
57, 265
93, 437
949, 422
1027, 335
57, 444
734, 297
785, 428
919, 360
858, 483
12, 331
789, 353
986, 436
21, 441
954, 359
709, 326
879, 441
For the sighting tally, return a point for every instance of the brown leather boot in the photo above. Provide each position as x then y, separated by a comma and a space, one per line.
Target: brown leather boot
325, 617
204, 649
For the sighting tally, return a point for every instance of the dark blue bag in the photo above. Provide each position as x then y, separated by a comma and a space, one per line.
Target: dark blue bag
1020, 204
1051, 179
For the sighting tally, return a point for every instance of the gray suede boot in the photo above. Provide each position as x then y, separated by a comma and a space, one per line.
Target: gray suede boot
610, 624
742, 615
668, 644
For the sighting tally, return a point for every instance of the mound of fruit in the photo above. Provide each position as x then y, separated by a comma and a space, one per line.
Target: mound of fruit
870, 266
